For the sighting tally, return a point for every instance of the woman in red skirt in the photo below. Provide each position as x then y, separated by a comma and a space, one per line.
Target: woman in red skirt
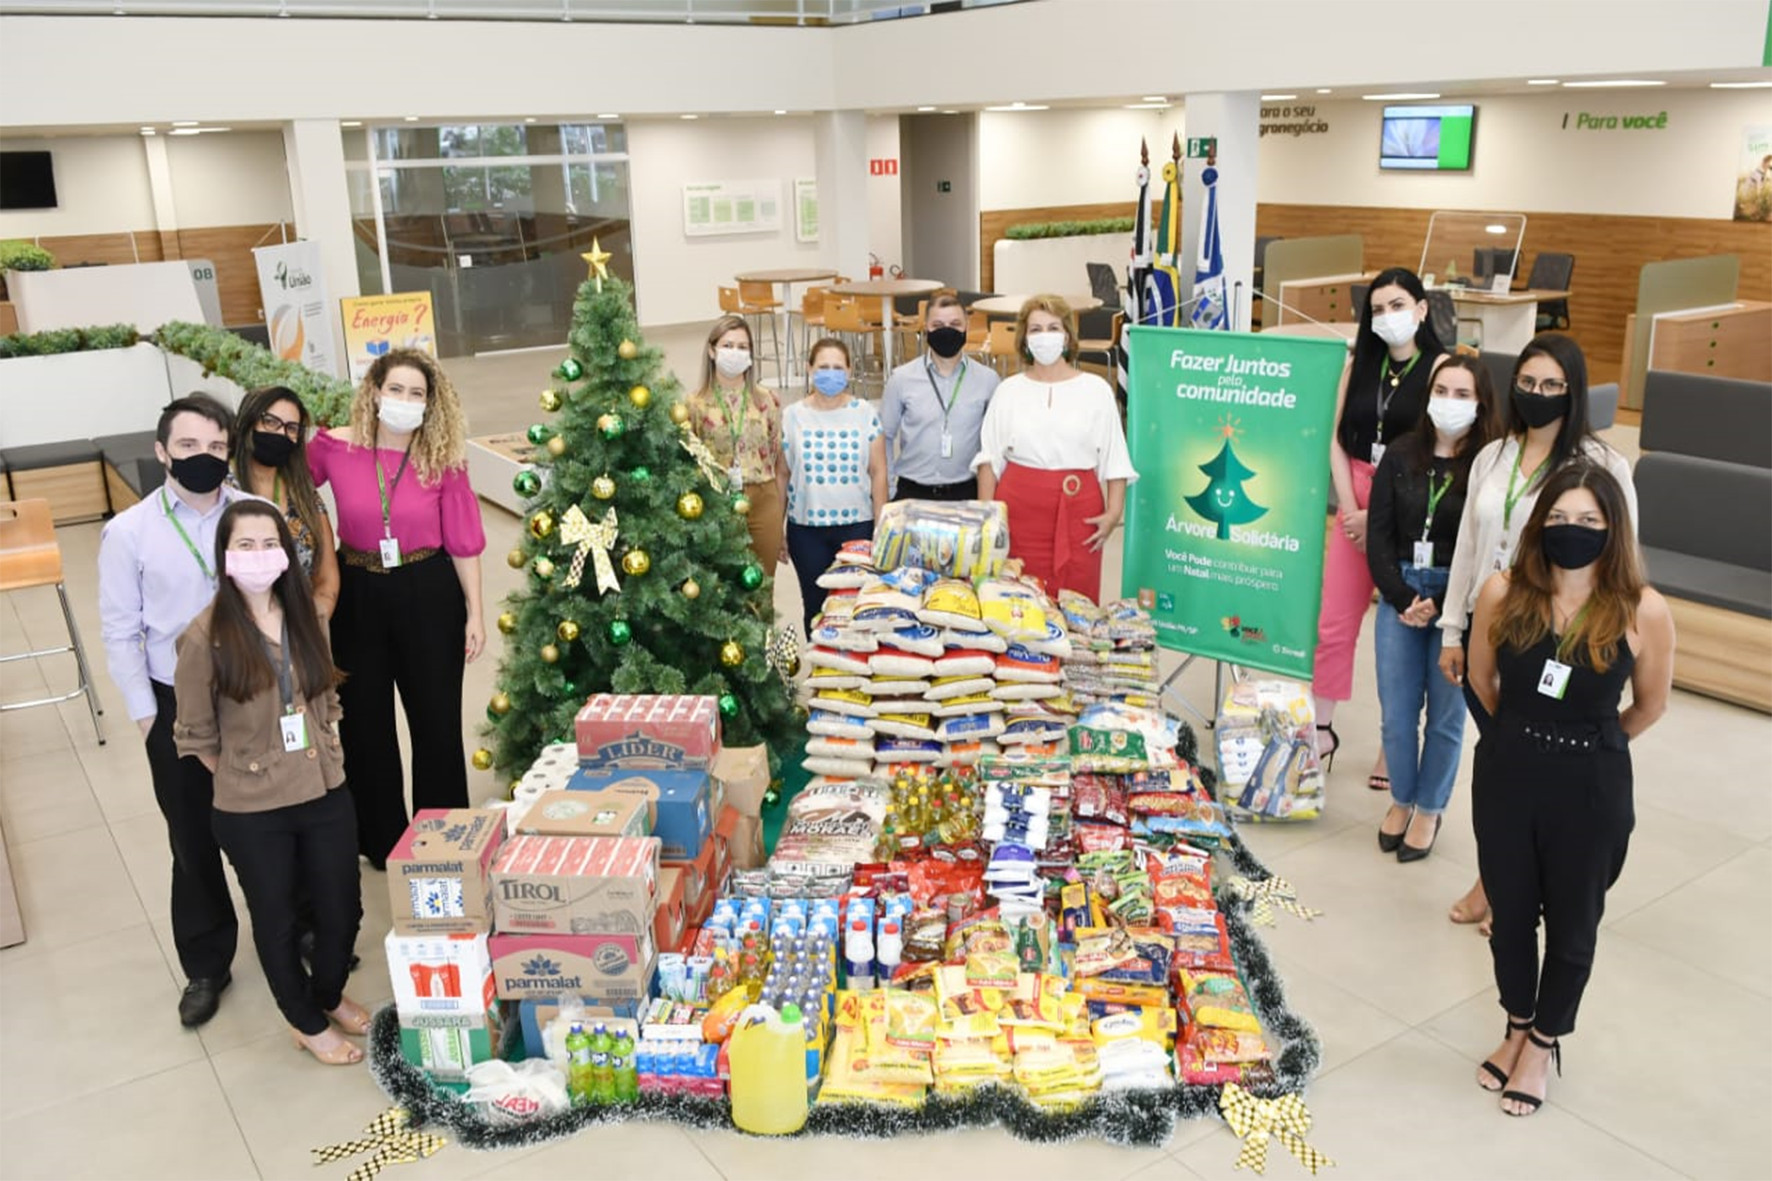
1054, 452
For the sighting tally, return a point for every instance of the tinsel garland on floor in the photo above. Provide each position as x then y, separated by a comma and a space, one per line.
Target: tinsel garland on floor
1144, 1118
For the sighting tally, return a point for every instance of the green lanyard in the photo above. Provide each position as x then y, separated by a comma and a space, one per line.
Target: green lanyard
1384, 399
1569, 632
185, 537
947, 407
1434, 496
387, 493
285, 677
735, 421
1513, 495
277, 490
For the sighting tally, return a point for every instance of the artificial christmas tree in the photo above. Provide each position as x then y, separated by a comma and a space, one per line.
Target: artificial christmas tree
641, 577
1223, 500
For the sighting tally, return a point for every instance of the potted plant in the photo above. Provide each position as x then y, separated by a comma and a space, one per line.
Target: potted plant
19, 255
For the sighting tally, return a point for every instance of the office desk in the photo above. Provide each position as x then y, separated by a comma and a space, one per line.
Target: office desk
1324, 297
1728, 341
1506, 321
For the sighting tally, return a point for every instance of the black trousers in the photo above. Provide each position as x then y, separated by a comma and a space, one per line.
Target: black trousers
403, 630
1552, 832
966, 489
303, 857
205, 929
812, 548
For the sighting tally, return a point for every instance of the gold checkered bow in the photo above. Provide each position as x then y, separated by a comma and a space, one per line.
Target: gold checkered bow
704, 459
1253, 1119
390, 1142
593, 541
1265, 895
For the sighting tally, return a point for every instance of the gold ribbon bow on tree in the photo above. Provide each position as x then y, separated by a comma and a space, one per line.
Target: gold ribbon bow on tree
594, 541
390, 1141
1253, 1119
704, 459
1267, 894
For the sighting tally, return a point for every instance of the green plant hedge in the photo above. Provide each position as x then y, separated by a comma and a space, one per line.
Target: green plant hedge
18, 255
1068, 229
217, 350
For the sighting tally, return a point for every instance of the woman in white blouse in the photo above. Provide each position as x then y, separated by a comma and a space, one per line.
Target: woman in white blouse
1054, 452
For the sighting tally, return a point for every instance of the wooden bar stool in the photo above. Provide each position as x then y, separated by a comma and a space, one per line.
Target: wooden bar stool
29, 556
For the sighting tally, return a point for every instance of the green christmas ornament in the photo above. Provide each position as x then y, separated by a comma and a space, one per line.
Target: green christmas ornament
526, 484
571, 370
619, 631
751, 576
539, 434
728, 705
612, 426
641, 475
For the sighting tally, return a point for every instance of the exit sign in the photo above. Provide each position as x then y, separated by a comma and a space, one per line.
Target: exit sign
1199, 149
887, 166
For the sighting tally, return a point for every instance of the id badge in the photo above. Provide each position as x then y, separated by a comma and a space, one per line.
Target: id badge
390, 552
947, 445
295, 731
1377, 453
1424, 554
735, 475
1554, 680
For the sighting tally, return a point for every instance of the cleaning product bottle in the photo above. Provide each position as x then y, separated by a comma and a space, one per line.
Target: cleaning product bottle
602, 1081
768, 1060
578, 1065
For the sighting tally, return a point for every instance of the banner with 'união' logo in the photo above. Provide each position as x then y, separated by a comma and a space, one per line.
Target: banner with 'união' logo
292, 285
1224, 528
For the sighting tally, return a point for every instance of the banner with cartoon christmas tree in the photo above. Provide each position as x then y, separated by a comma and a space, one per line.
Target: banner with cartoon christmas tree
1224, 528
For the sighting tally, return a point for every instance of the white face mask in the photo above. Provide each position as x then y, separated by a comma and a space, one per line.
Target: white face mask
732, 362
400, 416
1452, 416
1395, 327
1046, 347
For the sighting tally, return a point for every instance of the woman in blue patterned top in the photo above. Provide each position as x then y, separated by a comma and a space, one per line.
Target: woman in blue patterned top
836, 455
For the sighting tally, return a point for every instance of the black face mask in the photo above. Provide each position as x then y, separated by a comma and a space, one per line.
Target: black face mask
1573, 546
201, 474
1535, 410
946, 341
272, 448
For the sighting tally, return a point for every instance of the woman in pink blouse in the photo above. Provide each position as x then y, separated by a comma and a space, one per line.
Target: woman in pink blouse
408, 613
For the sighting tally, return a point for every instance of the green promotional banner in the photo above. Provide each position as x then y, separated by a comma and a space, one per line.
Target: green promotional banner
1224, 528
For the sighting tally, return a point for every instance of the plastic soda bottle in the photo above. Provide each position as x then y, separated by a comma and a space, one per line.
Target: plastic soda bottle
578, 1065
624, 1069
602, 1080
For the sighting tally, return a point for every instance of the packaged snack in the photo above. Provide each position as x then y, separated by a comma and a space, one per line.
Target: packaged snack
1096, 837
1267, 755
1118, 738
991, 969
957, 539
1218, 1046
1217, 999
925, 931
910, 1020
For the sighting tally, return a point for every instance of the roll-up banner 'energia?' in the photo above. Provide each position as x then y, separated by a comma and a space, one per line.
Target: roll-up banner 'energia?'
1230, 434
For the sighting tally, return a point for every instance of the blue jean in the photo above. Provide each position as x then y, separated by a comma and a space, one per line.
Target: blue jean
1422, 765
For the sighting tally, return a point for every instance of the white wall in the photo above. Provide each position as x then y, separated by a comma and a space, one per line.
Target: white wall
676, 275
101, 184
885, 234
940, 228
229, 180
1526, 160
1069, 157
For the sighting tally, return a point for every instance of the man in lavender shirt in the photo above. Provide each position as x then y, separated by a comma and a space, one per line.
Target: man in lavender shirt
156, 571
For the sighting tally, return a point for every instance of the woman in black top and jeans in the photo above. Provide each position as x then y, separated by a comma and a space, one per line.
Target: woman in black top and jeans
1417, 500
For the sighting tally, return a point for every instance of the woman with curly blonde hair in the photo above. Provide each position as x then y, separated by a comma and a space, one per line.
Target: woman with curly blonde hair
409, 577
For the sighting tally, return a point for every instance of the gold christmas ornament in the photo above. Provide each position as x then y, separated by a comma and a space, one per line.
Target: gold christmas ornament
603, 487
549, 653
500, 704
544, 568
557, 446
741, 505
640, 396
567, 631
731, 655
636, 562
689, 506
515, 559
541, 524
679, 413
550, 400
507, 621
691, 589
482, 760
627, 350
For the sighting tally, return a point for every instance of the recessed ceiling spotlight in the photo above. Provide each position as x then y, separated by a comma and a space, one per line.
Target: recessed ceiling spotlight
1399, 95
781, 112
924, 110
688, 116
529, 118
1613, 84
950, 111
1277, 98
145, 130
186, 122
412, 118
608, 116
1324, 90
1018, 106
1146, 107
1541, 81
1740, 85
1154, 98
351, 123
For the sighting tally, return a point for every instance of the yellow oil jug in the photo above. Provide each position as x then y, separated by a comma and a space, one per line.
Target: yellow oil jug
768, 1061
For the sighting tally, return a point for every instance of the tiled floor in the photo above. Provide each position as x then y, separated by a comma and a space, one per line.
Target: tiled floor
1667, 1077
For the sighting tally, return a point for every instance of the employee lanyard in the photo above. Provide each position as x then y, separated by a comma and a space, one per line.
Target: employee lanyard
277, 490
947, 407
1434, 496
735, 419
1395, 379
387, 492
1564, 645
285, 680
1513, 496
185, 537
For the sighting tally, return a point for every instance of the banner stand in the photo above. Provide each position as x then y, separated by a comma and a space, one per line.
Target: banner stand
1208, 717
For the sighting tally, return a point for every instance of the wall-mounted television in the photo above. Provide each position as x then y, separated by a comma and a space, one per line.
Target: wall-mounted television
27, 181
1430, 139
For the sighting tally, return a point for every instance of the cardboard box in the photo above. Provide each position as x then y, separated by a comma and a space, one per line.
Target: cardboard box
686, 804
576, 885
444, 1045
603, 967
640, 731
743, 772
672, 918
699, 881
584, 814
439, 879
440, 974
535, 1015
740, 841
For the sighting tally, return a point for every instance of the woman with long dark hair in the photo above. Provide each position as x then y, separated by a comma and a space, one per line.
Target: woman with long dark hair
1380, 400
1412, 530
258, 706
1554, 641
271, 461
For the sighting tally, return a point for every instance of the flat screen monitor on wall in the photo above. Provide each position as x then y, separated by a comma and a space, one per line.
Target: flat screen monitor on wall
1431, 139
27, 181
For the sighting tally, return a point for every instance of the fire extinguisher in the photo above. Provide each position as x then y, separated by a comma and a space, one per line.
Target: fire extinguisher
875, 270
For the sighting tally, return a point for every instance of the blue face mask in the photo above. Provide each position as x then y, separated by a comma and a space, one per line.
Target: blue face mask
830, 382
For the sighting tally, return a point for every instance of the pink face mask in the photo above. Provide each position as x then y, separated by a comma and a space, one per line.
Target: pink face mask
254, 570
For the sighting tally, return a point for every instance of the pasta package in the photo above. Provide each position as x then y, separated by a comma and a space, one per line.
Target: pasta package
966, 539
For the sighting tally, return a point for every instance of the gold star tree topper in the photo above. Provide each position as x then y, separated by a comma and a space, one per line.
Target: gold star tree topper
597, 259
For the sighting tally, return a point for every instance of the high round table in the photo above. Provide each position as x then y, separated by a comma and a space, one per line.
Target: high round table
785, 278
1010, 305
885, 290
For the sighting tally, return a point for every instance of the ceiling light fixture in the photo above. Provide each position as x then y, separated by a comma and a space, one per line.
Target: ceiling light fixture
950, 111
1613, 84
1146, 107
412, 118
924, 110
351, 123
1398, 96
1324, 90
1495, 229
148, 131
688, 116
1019, 106
781, 112
187, 122
529, 118
1541, 81
1277, 98
608, 116
1154, 98
1740, 85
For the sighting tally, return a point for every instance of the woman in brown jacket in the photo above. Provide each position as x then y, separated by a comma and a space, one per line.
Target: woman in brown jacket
257, 704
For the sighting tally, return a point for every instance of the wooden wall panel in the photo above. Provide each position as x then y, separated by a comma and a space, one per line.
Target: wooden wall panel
236, 275
109, 249
993, 222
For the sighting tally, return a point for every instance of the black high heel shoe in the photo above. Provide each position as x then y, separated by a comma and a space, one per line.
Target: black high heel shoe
1534, 1102
1407, 852
1328, 756
1388, 841
1495, 1072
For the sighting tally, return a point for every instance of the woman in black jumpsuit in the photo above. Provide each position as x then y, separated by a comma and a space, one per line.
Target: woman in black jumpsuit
1554, 641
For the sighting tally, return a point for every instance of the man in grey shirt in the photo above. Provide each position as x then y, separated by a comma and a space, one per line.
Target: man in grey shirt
932, 411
